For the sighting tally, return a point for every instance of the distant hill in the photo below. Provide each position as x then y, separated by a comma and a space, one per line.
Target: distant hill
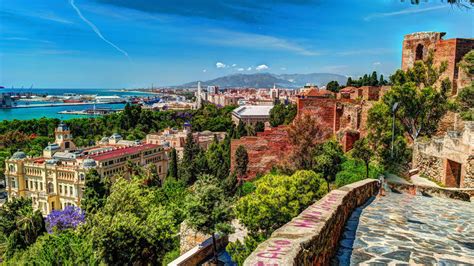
267, 80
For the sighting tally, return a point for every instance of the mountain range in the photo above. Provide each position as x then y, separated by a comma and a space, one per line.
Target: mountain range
267, 80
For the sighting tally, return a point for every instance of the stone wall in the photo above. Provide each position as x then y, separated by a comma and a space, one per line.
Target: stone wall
312, 237
430, 166
189, 238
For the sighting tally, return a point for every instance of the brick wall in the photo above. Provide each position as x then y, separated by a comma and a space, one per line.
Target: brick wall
266, 150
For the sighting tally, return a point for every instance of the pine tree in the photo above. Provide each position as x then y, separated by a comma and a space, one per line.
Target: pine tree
241, 130
241, 161
349, 82
95, 192
173, 164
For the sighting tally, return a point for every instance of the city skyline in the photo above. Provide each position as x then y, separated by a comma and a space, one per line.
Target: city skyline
108, 44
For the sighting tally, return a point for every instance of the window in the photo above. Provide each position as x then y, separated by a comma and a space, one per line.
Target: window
26, 183
41, 186
36, 185
419, 52
60, 189
31, 184
50, 188
13, 183
159, 169
70, 190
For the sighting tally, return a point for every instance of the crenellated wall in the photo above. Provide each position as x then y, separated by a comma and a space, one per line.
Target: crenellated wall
312, 237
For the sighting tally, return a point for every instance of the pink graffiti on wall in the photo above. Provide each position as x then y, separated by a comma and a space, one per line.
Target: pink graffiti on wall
312, 216
276, 250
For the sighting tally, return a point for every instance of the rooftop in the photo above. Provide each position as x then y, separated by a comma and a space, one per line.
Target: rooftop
253, 110
121, 152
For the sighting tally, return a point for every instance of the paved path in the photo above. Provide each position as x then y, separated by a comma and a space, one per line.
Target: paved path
421, 181
401, 229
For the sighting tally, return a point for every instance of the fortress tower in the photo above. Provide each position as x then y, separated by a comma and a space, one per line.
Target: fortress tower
417, 46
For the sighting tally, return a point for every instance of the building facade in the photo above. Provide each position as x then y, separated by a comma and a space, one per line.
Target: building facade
56, 179
176, 139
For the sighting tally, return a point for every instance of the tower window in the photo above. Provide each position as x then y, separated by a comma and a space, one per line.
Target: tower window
419, 52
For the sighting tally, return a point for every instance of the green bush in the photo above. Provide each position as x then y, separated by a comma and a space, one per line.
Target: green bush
353, 171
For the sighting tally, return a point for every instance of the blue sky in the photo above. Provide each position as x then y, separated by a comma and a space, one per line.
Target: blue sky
136, 43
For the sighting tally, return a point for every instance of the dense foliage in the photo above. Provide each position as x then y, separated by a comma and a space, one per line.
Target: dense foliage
282, 114
328, 158
20, 225
354, 170
275, 201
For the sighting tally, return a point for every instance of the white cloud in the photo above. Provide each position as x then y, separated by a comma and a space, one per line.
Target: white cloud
204, 70
412, 10
249, 68
220, 65
234, 65
376, 63
240, 69
282, 68
261, 67
254, 41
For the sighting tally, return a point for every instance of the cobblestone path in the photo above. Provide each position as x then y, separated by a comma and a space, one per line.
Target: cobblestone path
401, 229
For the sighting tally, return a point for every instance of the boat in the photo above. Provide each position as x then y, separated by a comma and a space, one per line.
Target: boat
109, 99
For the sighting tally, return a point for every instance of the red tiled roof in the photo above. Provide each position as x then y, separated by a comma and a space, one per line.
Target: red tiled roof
317, 93
347, 89
122, 151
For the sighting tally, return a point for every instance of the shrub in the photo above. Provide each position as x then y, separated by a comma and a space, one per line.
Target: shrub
353, 171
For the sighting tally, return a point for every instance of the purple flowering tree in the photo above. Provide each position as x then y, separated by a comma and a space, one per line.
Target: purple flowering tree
59, 220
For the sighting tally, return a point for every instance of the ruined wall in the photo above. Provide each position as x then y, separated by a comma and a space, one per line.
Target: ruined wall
322, 108
430, 166
267, 149
469, 172
312, 237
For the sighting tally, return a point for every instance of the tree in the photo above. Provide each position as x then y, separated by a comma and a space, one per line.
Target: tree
277, 199
132, 228
333, 86
304, 134
150, 175
65, 248
20, 224
188, 168
95, 192
282, 114
59, 220
363, 152
241, 161
467, 63
421, 102
173, 164
328, 158
207, 209
259, 126
349, 82
465, 102
373, 80
241, 130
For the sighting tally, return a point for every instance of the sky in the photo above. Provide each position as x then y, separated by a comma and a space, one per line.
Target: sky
137, 43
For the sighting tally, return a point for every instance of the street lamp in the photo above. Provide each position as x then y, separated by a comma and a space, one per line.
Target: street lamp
394, 110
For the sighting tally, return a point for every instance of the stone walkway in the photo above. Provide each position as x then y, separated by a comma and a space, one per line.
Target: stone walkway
401, 229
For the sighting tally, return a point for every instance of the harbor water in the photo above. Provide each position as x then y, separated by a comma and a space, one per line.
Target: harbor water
53, 111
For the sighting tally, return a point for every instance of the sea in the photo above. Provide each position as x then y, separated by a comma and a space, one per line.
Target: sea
52, 111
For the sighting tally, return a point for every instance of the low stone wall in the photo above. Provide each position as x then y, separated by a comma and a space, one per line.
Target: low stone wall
312, 237
200, 252
457, 194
